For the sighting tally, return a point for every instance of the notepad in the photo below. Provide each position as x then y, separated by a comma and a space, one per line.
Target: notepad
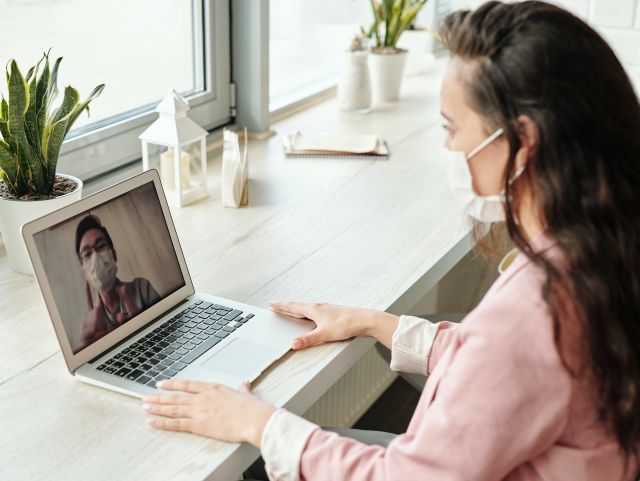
361, 146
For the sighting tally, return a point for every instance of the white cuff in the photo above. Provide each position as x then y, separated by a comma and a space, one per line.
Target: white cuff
411, 343
283, 441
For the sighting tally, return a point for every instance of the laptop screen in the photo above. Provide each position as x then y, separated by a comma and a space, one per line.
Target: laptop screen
109, 264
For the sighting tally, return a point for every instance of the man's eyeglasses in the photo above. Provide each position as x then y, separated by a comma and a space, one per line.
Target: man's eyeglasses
101, 245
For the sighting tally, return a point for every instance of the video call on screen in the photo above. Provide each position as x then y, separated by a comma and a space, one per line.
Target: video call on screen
109, 264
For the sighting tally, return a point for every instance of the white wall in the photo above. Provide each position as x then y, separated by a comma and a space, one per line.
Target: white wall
618, 21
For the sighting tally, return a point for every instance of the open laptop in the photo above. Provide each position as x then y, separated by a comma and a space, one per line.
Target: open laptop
122, 303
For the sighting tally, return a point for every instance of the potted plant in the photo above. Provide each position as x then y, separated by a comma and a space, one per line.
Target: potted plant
387, 61
31, 135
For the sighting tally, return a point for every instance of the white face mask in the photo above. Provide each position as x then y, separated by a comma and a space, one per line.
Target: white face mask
485, 208
100, 270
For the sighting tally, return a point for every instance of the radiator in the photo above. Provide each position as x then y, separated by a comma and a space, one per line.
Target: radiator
355, 392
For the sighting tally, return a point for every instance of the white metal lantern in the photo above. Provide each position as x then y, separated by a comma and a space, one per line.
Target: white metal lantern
176, 146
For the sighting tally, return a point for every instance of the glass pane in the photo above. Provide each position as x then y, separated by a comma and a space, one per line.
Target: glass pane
140, 49
307, 38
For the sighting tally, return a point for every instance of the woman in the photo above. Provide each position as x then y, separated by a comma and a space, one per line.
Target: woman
542, 380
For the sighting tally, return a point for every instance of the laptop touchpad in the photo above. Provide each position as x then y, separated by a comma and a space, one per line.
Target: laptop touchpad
240, 358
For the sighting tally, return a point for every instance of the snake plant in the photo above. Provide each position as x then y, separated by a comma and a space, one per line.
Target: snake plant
395, 16
32, 130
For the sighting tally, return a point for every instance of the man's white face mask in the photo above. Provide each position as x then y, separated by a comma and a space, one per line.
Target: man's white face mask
485, 208
100, 270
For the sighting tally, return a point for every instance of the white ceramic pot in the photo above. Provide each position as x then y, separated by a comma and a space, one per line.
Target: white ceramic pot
15, 213
387, 70
354, 88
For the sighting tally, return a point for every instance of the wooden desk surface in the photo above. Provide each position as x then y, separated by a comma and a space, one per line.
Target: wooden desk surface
356, 232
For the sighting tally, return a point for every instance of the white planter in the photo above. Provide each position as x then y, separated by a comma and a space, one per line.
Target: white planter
15, 213
387, 70
354, 88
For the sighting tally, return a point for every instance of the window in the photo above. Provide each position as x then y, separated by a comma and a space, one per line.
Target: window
306, 41
140, 49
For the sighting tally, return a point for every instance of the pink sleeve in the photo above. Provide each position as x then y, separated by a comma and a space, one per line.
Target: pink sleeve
502, 401
445, 336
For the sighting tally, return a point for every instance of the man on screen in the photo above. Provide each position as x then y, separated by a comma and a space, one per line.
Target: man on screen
117, 301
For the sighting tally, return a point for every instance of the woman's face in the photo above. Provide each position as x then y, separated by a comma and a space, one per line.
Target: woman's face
466, 130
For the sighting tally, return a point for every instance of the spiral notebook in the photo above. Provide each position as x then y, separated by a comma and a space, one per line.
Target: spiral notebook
357, 146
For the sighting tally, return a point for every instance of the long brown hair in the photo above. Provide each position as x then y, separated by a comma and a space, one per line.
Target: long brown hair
537, 60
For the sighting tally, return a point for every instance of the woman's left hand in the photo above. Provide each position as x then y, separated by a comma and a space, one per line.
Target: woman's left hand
211, 410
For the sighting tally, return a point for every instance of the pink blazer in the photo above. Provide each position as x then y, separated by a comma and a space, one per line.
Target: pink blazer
498, 405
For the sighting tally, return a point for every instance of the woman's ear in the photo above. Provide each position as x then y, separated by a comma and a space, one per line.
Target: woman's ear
528, 133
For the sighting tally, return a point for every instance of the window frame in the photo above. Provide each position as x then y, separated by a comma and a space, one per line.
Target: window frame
103, 147
280, 105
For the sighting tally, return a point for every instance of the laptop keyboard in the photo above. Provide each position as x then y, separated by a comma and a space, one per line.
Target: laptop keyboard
172, 346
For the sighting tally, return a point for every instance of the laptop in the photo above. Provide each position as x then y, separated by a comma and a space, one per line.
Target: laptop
122, 303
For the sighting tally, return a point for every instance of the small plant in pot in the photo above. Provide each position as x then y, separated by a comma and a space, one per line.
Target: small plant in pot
31, 135
390, 19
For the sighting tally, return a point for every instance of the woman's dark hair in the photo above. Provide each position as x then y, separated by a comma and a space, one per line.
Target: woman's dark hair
540, 61
86, 224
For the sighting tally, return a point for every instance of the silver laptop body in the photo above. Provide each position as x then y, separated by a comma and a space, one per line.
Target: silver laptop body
156, 316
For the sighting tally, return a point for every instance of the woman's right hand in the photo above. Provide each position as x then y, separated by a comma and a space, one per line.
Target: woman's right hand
337, 323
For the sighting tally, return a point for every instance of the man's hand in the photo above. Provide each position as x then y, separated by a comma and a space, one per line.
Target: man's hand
94, 324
